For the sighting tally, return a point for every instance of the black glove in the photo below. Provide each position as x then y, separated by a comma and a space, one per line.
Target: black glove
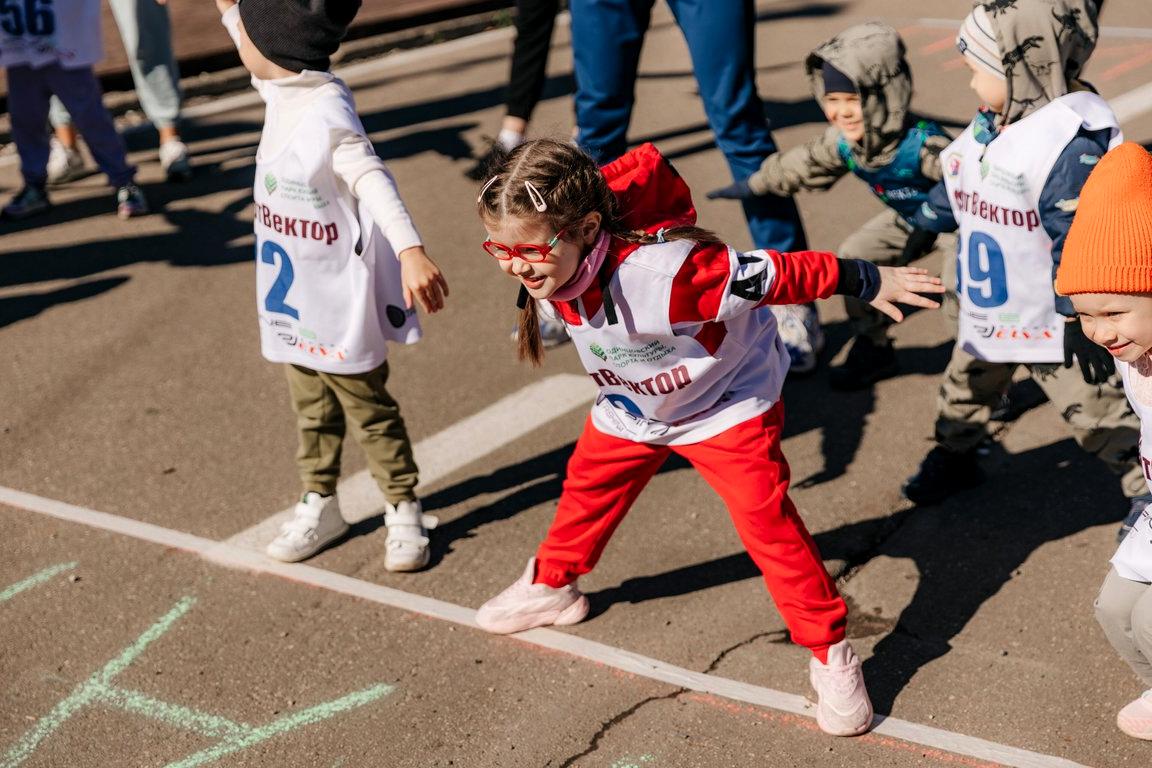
737, 190
919, 242
1095, 362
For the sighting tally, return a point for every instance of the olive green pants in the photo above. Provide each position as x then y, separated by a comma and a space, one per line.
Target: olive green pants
324, 403
881, 241
1101, 419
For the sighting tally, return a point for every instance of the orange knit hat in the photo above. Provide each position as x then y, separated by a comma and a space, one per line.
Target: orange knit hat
1109, 245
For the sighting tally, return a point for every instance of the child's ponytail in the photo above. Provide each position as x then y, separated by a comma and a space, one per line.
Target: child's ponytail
529, 344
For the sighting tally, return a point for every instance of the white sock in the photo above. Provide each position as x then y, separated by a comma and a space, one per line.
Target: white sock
509, 139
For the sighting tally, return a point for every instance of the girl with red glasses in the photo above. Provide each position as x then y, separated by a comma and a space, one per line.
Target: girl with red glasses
675, 329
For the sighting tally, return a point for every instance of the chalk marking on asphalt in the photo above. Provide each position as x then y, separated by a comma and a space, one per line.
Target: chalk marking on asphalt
438, 456
34, 580
233, 737
240, 558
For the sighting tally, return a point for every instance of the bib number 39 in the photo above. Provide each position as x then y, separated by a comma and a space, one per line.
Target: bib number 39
274, 301
988, 281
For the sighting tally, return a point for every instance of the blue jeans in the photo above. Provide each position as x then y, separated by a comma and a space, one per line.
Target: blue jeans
606, 39
146, 31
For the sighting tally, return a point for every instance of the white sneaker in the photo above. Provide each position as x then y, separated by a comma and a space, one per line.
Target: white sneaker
174, 160
317, 523
1136, 718
842, 706
553, 333
799, 329
64, 163
525, 605
406, 548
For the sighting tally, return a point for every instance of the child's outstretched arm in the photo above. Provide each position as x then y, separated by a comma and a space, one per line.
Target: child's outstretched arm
814, 165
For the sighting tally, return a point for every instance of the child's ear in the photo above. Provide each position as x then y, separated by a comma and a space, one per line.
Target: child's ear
590, 227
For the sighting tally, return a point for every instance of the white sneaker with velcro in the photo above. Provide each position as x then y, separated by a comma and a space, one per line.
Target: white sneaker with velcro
406, 547
316, 522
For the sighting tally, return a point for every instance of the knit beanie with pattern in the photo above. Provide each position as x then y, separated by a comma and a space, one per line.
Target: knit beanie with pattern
1109, 245
977, 41
298, 34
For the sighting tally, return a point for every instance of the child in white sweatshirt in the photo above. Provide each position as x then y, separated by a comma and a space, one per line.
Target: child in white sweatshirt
339, 266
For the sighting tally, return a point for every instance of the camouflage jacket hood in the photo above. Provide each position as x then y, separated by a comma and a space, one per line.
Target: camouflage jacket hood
1044, 44
872, 56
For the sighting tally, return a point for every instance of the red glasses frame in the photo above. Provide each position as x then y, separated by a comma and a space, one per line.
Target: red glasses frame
533, 253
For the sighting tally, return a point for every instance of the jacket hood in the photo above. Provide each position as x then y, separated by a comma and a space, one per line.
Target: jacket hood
872, 56
1044, 44
650, 194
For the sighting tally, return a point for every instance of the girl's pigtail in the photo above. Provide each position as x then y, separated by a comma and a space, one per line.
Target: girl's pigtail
640, 237
529, 345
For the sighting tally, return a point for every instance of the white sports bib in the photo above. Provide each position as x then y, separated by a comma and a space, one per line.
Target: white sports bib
1133, 559
661, 385
1007, 304
36, 33
328, 289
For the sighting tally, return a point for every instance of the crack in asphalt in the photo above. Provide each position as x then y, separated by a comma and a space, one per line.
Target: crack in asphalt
781, 637
607, 725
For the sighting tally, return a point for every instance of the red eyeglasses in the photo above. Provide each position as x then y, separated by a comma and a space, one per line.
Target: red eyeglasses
533, 253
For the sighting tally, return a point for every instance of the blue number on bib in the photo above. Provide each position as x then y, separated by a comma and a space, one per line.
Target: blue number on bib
989, 284
274, 301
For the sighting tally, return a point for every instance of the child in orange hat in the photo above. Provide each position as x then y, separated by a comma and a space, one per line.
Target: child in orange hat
1107, 272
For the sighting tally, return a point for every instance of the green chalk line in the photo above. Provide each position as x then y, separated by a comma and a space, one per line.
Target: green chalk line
283, 725
91, 689
204, 723
37, 578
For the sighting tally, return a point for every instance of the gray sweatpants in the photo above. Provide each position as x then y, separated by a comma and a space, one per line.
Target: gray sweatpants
881, 241
1124, 611
147, 34
28, 93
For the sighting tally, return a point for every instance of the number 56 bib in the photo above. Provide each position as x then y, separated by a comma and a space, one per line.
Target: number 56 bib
1004, 270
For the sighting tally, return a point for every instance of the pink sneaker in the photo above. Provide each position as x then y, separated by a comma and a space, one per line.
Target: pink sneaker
1136, 718
525, 605
842, 706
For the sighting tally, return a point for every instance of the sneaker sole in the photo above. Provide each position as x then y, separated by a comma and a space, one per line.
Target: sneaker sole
1137, 729
408, 567
295, 557
573, 614
828, 729
26, 214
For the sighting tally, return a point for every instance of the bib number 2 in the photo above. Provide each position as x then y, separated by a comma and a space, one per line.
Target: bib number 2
274, 301
988, 281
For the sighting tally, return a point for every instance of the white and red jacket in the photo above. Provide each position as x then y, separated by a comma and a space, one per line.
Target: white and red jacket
678, 335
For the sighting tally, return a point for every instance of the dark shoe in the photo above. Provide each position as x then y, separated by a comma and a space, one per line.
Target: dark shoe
28, 202
130, 202
487, 164
866, 364
943, 473
1137, 506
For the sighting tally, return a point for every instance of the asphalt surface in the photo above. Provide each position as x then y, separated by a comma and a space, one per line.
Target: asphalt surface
134, 386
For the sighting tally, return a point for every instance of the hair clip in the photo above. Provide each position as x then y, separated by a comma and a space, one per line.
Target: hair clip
535, 196
484, 189
660, 235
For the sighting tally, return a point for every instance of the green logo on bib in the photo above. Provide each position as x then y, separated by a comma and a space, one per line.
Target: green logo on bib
269, 183
598, 350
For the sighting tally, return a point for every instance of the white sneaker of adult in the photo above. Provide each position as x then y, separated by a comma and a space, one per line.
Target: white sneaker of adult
316, 522
1136, 718
406, 547
64, 163
525, 605
799, 329
842, 707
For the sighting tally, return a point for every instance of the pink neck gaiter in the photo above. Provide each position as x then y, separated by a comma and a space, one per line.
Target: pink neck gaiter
585, 273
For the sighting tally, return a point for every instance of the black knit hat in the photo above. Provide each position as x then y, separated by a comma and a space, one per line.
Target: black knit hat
297, 34
835, 81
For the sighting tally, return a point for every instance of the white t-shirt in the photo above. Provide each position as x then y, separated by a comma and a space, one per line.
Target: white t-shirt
1133, 559
1007, 305
37, 33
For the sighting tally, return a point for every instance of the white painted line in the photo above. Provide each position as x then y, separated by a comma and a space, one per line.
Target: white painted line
498, 425
243, 559
1130, 105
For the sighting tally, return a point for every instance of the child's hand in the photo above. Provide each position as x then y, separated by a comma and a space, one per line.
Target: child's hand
222, 5
737, 190
421, 278
902, 284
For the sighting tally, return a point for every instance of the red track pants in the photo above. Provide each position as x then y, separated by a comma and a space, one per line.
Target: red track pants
747, 468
